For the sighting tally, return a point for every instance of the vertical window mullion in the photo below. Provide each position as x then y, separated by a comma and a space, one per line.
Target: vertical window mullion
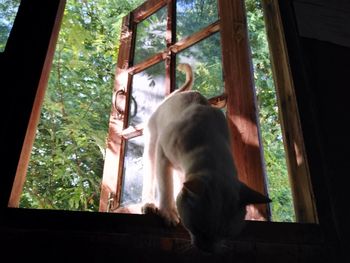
170, 40
241, 103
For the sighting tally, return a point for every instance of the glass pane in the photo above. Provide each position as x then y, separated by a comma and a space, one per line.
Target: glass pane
133, 172
148, 89
194, 15
8, 11
150, 36
270, 127
206, 61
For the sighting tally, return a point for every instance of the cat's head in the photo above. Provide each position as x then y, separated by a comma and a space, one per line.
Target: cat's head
212, 213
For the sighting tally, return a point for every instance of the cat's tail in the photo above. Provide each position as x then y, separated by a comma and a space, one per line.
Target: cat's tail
187, 69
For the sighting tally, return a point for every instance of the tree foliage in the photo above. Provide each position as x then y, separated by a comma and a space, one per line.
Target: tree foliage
8, 11
67, 158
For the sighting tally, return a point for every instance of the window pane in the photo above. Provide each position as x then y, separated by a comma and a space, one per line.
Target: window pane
206, 61
8, 11
150, 36
148, 89
270, 127
193, 15
133, 172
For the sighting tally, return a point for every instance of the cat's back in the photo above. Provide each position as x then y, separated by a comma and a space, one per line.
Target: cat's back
174, 106
182, 100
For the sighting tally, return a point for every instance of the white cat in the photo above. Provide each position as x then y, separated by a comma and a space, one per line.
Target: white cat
186, 134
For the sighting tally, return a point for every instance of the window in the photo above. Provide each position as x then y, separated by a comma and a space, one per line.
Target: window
159, 35
155, 38
8, 11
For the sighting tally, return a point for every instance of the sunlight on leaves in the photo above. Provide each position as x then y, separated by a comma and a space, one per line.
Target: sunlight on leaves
8, 11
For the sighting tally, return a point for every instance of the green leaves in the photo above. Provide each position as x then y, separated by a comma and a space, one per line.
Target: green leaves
8, 11
67, 158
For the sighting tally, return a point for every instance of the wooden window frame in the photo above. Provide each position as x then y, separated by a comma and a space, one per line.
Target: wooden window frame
234, 43
238, 86
296, 157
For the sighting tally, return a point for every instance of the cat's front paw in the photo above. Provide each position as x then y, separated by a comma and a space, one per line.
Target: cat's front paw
170, 216
149, 208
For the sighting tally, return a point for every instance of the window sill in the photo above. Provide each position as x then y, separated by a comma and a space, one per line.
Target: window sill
134, 235
93, 222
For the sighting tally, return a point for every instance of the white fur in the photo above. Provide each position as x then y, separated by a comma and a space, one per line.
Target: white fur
189, 136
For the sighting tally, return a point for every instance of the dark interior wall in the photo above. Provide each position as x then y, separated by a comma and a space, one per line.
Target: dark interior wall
329, 70
321, 72
320, 69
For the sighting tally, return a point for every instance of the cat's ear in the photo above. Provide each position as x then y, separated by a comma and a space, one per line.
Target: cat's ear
194, 186
249, 196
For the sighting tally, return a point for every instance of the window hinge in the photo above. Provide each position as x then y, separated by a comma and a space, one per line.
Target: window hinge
130, 21
110, 201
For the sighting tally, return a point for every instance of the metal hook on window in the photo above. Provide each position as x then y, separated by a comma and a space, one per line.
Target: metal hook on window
135, 107
120, 112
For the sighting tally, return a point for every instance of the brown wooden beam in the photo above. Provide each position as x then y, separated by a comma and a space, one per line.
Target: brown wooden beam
195, 38
147, 9
241, 101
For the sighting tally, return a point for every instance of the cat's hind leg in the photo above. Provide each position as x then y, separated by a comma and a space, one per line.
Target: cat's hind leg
149, 174
167, 207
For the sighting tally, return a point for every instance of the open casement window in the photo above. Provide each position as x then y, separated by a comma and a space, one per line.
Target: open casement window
154, 40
